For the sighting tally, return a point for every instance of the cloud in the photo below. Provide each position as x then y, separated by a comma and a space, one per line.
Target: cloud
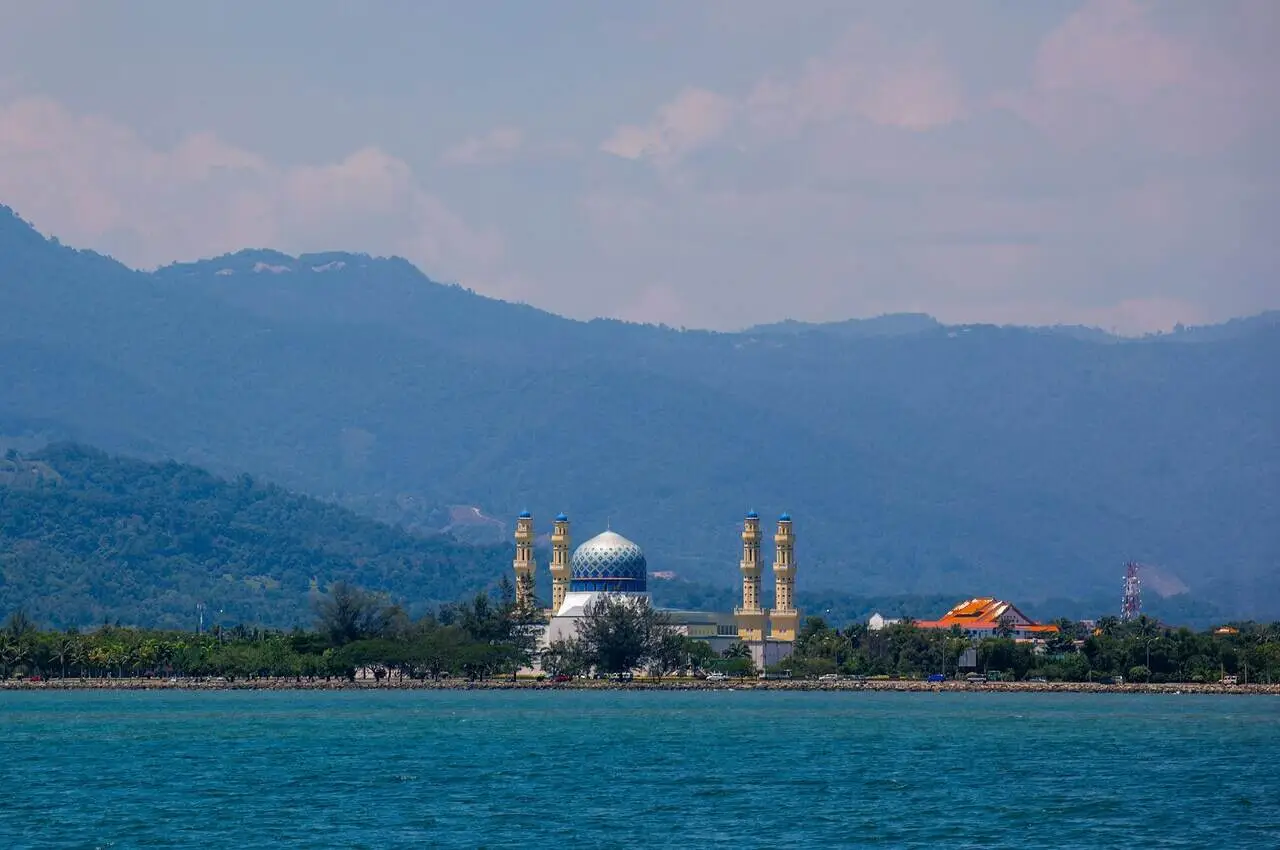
94, 182
656, 304
1111, 73
694, 118
497, 146
862, 78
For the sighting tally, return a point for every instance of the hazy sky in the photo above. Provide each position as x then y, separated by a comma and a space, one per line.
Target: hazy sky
709, 163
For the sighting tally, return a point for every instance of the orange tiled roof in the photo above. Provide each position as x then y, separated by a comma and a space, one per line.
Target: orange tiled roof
986, 612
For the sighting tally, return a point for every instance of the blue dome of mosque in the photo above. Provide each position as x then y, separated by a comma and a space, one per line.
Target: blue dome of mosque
785, 518
560, 517
609, 562
525, 515
752, 515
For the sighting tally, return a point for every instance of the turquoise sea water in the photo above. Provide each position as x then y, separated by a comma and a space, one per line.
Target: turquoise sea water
646, 769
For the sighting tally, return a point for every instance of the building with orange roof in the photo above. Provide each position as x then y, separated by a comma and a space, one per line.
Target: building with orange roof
986, 616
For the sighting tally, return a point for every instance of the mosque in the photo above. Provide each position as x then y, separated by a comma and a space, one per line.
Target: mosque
610, 564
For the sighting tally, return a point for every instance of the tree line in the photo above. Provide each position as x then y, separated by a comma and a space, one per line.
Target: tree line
357, 630
1141, 650
492, 635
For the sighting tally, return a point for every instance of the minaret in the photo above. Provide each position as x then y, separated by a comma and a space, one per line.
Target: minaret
524, 563
785, 618
559, 563
750, 616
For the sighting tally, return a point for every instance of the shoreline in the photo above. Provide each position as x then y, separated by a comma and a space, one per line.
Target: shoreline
908, 686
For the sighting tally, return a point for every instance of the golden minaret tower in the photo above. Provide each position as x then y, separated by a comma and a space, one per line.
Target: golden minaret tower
559, 563
524, 563
785, 618
750, 616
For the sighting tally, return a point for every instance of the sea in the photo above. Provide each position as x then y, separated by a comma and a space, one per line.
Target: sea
707, 769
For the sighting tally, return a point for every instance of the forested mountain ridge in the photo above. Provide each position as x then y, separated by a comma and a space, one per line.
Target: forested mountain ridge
916, 459
86, 538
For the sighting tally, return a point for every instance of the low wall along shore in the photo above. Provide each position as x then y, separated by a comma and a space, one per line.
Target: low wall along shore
636, 685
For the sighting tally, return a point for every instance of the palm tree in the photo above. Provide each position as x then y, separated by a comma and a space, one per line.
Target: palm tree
66, 649
13, 652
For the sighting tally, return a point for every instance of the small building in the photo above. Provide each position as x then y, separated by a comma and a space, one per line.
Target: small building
878, 621
986, 616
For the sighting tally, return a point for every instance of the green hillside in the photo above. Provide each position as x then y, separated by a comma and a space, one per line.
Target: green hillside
917, 458
86, 538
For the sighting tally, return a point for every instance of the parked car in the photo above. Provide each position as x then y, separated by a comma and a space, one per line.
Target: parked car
562, 677
937, 677
716, 676
975, 679
1229, 680
829, 677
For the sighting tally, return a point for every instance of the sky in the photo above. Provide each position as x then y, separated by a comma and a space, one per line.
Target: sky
697, 163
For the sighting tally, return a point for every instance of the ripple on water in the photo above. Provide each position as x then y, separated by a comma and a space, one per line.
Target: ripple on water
619, 769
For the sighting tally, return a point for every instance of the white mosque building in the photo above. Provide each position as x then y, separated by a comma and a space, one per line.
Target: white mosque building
610, 564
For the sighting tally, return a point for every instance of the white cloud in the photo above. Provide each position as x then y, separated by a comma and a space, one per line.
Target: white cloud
863, 77
497, 146
1110, 73
94, 182
657, 304
694, 118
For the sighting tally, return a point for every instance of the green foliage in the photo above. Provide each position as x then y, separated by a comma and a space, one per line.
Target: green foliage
355, 630
1140, 651
916, 458
619, 635
99, 539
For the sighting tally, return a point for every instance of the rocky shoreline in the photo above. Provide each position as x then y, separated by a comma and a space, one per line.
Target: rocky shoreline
636, 685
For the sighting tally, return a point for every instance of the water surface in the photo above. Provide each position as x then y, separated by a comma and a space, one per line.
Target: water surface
732, 769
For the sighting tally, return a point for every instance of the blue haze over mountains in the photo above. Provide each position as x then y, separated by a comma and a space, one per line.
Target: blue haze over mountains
916, 457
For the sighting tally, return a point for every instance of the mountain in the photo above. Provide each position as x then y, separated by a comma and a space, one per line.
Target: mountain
87, 538
1027, 463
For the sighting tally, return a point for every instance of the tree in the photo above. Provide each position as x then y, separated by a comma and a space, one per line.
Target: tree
671, 653
700, 654
565, 657
621, 634
349, 613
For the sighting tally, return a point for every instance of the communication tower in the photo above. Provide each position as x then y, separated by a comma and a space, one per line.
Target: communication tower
1131, 604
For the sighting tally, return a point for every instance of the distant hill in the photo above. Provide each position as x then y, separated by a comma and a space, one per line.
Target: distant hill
893, 324
86, 538
917, 458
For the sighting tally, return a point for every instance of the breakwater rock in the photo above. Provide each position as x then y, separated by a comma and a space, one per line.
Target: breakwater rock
673, 684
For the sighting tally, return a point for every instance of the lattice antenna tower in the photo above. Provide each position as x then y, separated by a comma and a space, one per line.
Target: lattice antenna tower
1131, 604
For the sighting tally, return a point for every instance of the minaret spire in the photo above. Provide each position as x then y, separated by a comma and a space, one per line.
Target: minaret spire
785, 618
524, 564
560, 569
750, 616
